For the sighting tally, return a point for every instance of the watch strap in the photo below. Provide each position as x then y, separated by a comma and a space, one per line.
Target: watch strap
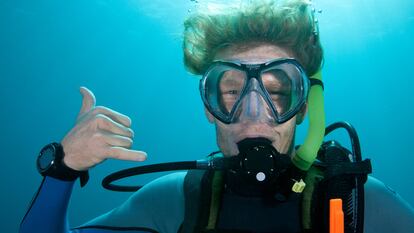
61, 171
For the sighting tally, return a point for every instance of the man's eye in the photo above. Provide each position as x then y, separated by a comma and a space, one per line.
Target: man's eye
231, 92
278, 93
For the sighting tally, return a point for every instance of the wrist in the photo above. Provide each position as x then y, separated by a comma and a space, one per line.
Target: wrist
51, 163
68, 162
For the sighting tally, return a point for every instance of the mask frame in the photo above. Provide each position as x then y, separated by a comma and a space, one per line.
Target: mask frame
253, 71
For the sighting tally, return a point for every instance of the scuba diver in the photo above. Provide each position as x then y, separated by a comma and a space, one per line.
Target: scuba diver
260, 68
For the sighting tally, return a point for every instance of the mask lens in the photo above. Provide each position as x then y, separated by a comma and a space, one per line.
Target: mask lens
231, 85
278, 86
284, 85
223, 88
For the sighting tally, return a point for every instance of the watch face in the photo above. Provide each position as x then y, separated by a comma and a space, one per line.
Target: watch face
46, 158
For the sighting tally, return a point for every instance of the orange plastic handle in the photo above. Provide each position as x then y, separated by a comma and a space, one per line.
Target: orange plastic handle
336, 216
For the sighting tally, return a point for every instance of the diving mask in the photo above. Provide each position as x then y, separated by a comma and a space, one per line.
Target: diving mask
275, 90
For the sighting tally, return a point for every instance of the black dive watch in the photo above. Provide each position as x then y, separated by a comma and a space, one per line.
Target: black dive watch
50, 163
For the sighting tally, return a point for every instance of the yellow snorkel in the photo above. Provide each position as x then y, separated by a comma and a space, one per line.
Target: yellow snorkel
306, 154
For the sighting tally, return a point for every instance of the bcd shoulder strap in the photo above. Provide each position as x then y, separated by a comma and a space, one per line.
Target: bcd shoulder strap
202, 193
313, 177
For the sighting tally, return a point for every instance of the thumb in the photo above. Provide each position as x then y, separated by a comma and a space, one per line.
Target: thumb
88, 100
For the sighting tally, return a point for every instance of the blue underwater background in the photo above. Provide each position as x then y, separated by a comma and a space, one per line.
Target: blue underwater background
129, 54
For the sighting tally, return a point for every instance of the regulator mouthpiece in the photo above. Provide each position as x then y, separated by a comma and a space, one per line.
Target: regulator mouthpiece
260, 161
262, 170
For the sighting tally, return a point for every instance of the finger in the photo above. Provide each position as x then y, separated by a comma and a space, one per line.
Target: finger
117, 140
114, 115
126, 154
88, 100
107, 124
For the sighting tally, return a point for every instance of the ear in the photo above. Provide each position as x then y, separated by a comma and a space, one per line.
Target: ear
209, 116
300, 116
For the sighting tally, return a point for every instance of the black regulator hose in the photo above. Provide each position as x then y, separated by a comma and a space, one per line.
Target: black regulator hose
173, 166
356, 147
210, 163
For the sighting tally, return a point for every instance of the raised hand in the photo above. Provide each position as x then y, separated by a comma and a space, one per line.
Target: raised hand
99, 133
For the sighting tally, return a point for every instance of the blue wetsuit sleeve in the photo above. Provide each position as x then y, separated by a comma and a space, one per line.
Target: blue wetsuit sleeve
47, 212
385, 210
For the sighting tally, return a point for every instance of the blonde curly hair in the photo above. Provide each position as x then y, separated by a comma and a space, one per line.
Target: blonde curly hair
286, 23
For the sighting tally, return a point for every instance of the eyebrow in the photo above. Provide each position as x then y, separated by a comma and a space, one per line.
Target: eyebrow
229, 79
282, 83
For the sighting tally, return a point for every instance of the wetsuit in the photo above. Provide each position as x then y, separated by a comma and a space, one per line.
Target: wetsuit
159, 207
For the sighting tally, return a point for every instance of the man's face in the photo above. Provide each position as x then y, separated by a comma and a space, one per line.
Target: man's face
281, 135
